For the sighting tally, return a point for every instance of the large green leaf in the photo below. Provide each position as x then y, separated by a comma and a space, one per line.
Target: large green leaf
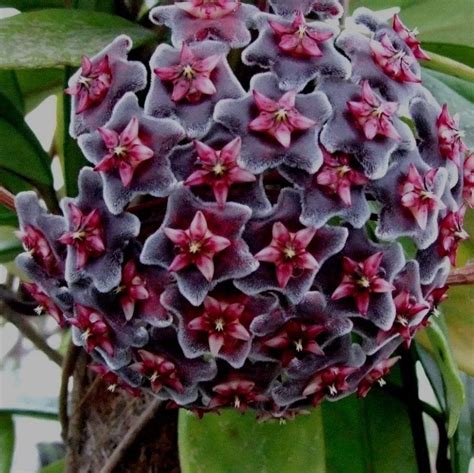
8, 217
10, 88
9, 244
25, 5
49, 38
7, 442
453, 385
368, 435
234, 443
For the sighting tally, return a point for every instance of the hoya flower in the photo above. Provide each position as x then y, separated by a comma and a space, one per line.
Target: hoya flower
275, 127
451, 144
211, 169
373, 114
197, 20
376, 375
131, 153
188, 83
468, 189
46, 304
290, 254
409, 36
200, 243
360, 280
323, 8
100, 83
95, 238
219, 169
394, 62
93, 83
451, 234
113, 380
296, 51
94, 331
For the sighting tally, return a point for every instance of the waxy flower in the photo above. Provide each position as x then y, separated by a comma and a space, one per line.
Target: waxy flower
279, 118
376, 375
46, 305
125, 151
95, 333
113, 380
468, 189
86, 235
220, 321
329, 382
159, 370
323, 8
362, 279
288, 252
92, 84
409, 36
294, 340
451, 234
337, 176
196, 245
396, 63
299, 39
132, 288
451, 144
416, 193
373, 114
191, 78
219, 169
209, 9
239, 393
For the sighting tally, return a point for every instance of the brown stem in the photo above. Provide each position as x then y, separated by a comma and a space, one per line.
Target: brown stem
27, 329
117, 455
462, 276
87, 396
7, 199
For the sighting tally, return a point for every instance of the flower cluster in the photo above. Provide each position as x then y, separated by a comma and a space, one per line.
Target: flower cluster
244, 247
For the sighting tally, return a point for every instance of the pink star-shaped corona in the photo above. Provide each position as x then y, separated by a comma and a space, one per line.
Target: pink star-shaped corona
288, 252
409, 36
45, 303
337, 176
279, 118
376, 375
450, 137
239, 393
451, 234
395, 63
417, 195
221, 321
112, 380
360, 280
373, 114
132, 288
219, 169
197, 245
93, 83
299, 39
191, 78
209, 9
87, 236
125, 151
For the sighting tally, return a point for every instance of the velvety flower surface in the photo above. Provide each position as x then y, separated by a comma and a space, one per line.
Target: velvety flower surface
468, 191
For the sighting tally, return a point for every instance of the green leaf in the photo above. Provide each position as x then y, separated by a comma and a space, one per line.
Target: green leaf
21, 152
10, 88
234, 443
49, 38
25, 5
450, 66
453, 385
37, 84
368, 435
7, 217
10, 246
56, 467
7, 442
36, 413
460, 53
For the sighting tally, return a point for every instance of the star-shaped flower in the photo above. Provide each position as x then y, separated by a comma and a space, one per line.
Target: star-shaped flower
100, 83
219, 169
188, 83
46, 304
376, 375
451, 144
113, 380
197, 20
284, 129
468, 188
360, 280
373, 114
201, 244
451, 234
409, 36
396, 63
131, 153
